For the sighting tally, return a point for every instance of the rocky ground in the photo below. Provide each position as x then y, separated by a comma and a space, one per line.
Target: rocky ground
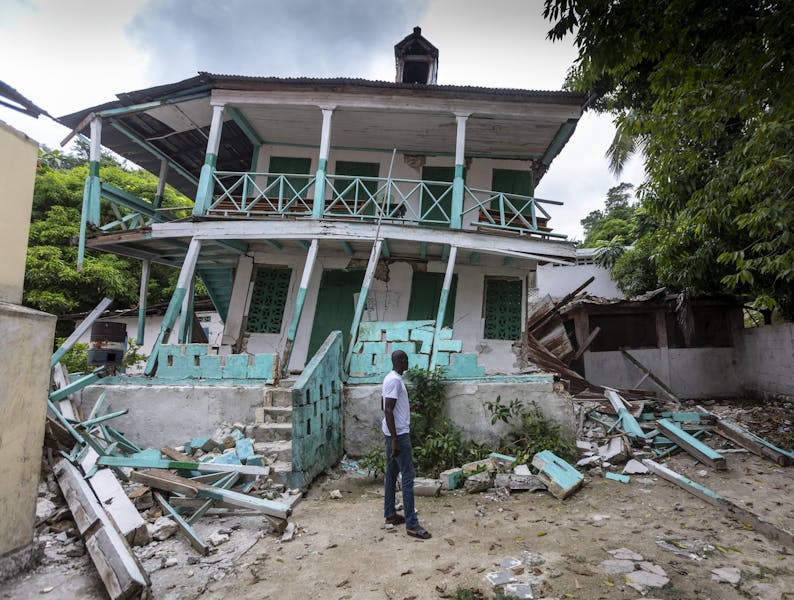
646, 538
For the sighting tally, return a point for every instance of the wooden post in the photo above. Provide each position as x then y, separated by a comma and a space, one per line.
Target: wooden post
185, 276
322, 164
456, 216
186, 314
90, 211
158, 197
207, 178
362, 300
308, 267
442, 304
146, 266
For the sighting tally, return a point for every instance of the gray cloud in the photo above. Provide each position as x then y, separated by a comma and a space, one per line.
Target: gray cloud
269, 37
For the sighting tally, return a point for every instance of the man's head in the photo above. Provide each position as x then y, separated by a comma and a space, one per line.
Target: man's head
399, 361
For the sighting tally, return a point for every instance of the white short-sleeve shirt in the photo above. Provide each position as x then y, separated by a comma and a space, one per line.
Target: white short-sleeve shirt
393, 387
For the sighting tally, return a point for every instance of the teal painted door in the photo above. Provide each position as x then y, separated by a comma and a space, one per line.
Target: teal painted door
335, 306
425, 295
509, 181
434, 192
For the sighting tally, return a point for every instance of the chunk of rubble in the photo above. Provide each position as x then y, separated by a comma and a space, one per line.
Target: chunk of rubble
634, 467
218, 538
500, 578
615, 566
162, 529
478, 482
726, 575
521, 591
642, 580
626, 554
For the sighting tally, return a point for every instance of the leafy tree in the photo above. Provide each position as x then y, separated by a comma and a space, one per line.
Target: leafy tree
615, 221
705, 89
52, 282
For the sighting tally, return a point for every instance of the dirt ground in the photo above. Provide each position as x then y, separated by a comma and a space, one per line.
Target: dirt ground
342, 550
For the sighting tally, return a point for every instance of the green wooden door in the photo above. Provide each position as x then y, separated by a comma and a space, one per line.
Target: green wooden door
434, 192
509, 181
290, 165
335, 306
358, 169
425, 295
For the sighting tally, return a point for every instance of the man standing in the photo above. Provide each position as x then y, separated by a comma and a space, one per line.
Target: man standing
396, 429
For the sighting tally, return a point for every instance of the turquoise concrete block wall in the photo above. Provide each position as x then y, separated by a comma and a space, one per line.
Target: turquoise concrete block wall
317, 412
192, 361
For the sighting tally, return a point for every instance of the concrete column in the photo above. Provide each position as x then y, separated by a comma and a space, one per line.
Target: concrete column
206, 179
146, 266
319, 183
369, 274
91, 191
300, 300
442, 304
456, 218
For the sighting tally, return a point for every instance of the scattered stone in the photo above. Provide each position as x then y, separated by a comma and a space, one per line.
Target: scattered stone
425, 486
652, 568
634, 467
45, 509
478, 482
218, 538
626, 554
615, 566
598, 518
726, 575
162, 529
532, 559
517, 483
521, 470
522, 591
289, 532
703, 473
500, 578
75, 550
46, 590
512, 564
335, 495
589, 461
642, 580
169, 562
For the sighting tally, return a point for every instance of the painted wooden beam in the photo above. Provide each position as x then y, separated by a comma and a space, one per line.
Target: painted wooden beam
445, 252
693, 446
80, 330
118, 567
442, 305
162, 179
88, 423
146, 266
474, 258
456, 204
369, 274
206, 183
318, 208
186, 314
246, 127
746, 439
423, 250
346, 248
738, 513
384, 248
141, 462
627, 420
225, 483
171, 313
300, 300
192, 537
77, 385
659, 383
303, 244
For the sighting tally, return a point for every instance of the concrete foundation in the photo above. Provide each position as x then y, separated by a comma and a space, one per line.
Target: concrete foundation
465, 407
167, 415
25, 375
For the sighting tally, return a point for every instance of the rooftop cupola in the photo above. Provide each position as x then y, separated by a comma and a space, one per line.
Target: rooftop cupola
417, 59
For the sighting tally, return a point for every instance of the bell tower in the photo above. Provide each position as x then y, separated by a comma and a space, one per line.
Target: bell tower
417, 59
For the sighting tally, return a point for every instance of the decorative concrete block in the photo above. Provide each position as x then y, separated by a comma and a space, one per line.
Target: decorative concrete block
407, 347
196, 349
244, 448
449, 345
445, 333
442, 359
227, 458
370, 331
426, 337
451, 478
210, 366
262, 367
561, 478
376, 348
236, 366
421, 361
464, 365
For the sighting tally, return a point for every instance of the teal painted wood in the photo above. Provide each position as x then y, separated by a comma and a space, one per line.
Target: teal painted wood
672, 429
561, 478
204, 193
617, 477
317, 411
64, 392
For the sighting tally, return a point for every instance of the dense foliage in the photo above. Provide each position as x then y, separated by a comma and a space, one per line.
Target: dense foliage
705, 89
52, 282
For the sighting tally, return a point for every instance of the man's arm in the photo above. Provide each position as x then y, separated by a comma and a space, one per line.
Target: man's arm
389, 404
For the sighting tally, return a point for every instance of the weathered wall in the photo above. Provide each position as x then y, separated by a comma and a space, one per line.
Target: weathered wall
765, 356
161, 415
25, 375
558, 280
18, 155
465, 406
689, 372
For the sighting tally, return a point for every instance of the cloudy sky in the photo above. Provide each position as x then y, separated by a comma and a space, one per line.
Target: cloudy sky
65, 55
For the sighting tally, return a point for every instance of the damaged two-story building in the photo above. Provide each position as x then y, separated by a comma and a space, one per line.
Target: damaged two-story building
401, 215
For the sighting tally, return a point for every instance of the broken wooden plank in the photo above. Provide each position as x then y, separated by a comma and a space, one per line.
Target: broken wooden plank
561, 478
80, 330
174, 454
118, 567
165, 480
88, 423
124, 443
119, 507
536, 320
586, 344
692, 445
740, 436
659, 383
227, 482
180, 465
739, 513
627, 420
65, 392
194, 538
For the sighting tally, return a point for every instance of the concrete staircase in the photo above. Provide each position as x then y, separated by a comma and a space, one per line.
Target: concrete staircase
273, 429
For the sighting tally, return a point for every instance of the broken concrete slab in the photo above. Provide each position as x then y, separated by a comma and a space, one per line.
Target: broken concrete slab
425, 486
626, 554
521, 591
560, 477
162, 529
727, 575
479, 482
642, 580
500, 578
451, 479
516, 483
615, 566
634, 467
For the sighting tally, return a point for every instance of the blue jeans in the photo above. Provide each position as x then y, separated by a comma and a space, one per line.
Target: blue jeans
404, 464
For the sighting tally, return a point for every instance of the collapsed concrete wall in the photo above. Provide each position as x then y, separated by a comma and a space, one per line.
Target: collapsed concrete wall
465, 406
27, 337
765, 356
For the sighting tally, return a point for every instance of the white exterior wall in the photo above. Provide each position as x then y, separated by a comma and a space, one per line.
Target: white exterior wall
558, 280
766, 359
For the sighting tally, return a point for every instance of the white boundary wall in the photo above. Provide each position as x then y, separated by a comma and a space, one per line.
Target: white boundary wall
765, 357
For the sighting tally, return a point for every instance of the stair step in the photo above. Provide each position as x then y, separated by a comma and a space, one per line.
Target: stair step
282, 450
281, 397
272, 432
276, 414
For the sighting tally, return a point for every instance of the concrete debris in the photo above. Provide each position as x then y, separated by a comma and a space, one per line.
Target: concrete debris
522, 591
45, 509
615, 566
634, 467
532, 559
425, 486
500, 578
218, 538
479, 482
521, 470
335, 495
625, 554
289, 532
727, 575
162, 529
642, 580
